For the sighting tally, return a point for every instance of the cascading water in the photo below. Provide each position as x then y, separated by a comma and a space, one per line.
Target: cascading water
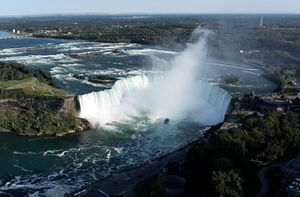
177, 95
100, 107
97, 107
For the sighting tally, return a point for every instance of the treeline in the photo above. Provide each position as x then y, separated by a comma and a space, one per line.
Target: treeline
35, 122
232, 158
15, 71
274, 47
36, 114
157, 34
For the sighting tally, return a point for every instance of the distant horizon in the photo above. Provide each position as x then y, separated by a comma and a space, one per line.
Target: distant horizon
136, 14
15, 8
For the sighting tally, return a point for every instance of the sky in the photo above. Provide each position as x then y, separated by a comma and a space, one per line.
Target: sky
38, 7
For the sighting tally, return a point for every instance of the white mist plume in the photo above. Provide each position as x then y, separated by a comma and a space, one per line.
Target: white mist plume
175, 95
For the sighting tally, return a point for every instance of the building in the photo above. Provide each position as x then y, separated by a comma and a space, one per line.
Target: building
269, 103
291, 170
261, 22
294, 188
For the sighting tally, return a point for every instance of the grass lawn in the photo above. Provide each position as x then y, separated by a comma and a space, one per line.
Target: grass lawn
33, 87
11, 84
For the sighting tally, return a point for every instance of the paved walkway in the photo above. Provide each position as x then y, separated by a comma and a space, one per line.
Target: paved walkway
264, 183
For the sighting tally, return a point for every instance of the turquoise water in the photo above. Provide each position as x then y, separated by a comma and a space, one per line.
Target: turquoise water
4, 35
46, 165
50, 164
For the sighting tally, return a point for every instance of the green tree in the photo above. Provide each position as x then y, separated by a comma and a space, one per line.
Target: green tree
226, 184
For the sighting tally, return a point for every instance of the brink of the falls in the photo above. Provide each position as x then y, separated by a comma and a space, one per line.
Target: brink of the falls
128, 97
178, 94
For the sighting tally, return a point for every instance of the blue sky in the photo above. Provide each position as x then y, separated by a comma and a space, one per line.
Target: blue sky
34, 7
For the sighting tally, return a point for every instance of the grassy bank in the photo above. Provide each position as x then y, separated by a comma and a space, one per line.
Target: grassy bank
31, 104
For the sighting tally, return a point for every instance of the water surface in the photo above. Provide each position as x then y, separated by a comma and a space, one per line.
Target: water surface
51, 164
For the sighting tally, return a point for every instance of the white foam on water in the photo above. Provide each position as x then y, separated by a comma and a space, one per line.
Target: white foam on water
11, 52
40, 59
176, 95
149, 52
231, 66
94, 84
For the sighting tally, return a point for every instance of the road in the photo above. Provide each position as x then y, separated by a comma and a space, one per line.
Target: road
122, 183
264, 183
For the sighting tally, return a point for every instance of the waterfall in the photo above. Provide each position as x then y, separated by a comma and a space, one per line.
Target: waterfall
130, 96
217, 101
97, 107
176, 95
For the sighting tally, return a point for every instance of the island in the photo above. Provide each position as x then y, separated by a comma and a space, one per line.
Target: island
254, 151
270, 44
32, 105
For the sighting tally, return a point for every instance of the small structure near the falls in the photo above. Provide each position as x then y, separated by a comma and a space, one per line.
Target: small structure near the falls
166, 121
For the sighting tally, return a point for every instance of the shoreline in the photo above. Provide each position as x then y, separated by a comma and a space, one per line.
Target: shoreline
81, 125
122, 183
59, 135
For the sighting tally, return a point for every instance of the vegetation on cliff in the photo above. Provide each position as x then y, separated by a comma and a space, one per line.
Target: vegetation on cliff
231, 79
17, 72
30, 105
227, 163
274, 47
239, 153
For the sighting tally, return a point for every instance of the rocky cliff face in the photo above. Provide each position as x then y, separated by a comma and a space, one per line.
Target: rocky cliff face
31, 104
71, 107
67, 107
36, 116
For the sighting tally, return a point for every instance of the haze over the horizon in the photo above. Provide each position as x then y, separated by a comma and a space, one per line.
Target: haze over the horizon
41, 7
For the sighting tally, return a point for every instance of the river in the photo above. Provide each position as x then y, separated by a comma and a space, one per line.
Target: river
49, 165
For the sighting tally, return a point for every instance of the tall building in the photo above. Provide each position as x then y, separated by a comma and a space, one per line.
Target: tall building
261, 24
